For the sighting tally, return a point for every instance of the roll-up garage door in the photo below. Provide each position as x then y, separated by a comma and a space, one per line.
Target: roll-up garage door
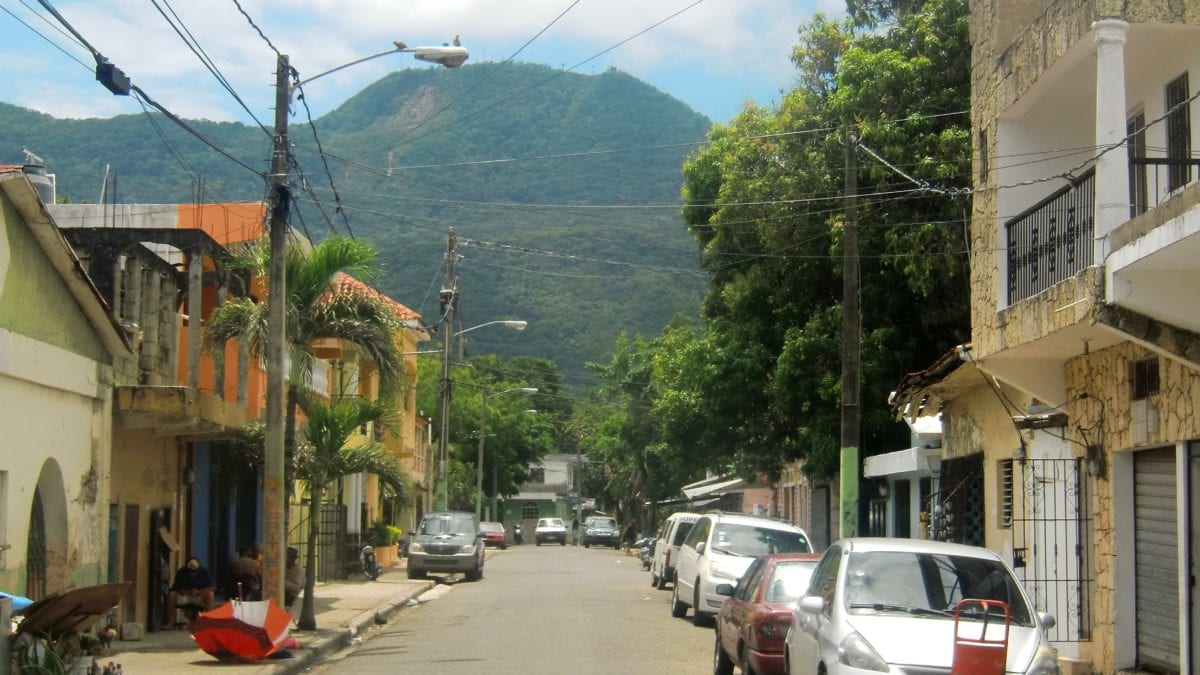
1156, 559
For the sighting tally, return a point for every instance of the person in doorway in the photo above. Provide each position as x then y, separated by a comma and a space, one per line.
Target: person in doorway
193, 587
293, 578
247, 575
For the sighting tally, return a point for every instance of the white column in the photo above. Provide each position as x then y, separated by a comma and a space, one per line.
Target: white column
1112, 169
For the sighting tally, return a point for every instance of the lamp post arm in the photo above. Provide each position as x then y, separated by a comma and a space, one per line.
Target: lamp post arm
301, 83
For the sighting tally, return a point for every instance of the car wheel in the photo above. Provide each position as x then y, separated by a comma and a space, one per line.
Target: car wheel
722, 664
587, 544
475, 574
678, 609
416, 574
563, 542
653, 580
538, 542
744, 662
503, 547
698, 618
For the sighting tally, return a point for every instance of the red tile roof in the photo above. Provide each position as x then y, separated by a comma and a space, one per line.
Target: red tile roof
344, 283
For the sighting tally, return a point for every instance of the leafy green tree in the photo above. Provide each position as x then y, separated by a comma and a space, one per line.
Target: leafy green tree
759, 382
325, 457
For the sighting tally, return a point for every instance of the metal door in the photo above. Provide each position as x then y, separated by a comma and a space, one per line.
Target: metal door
1156, 559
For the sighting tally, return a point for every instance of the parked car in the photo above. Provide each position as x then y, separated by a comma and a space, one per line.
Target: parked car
672, 533
718, 550
888, 605
494, 534
601, 530
446, 541
549, 530
754, 620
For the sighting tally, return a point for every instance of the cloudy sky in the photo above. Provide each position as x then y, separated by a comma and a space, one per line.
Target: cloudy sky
711, 54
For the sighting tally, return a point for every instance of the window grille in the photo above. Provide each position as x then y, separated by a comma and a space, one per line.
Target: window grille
1179, 133
1006, 493
1144, 377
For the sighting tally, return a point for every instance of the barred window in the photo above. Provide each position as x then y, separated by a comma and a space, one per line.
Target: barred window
1144, 378
1006, 493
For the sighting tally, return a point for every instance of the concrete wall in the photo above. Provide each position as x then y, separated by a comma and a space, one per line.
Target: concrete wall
55, 410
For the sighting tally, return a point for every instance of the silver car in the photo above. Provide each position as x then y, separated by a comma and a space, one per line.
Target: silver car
877, 605
447, 542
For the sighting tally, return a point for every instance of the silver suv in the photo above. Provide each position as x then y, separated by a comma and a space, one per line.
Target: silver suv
448, 541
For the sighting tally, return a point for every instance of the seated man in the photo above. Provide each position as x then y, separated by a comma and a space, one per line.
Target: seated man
293, 578
193, 587
247, 575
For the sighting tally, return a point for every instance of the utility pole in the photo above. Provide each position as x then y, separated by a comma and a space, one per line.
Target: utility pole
274, 493
483, 396
449, 300
851, 348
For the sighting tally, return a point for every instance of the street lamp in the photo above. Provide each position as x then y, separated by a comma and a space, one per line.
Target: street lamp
483, 399
274, 494
440, 489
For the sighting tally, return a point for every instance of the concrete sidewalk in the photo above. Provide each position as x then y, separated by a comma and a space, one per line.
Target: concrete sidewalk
344, 609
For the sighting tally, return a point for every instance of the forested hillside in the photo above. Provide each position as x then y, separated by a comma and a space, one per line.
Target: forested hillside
561, 187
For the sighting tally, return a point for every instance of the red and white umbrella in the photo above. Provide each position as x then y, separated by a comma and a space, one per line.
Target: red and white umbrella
242, 631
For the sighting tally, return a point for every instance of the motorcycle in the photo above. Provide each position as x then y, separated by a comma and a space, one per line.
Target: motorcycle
370, 566
517, 533
645, 549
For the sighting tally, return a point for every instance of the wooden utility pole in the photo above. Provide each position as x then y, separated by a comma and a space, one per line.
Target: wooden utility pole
851, 348
449, 300
274, 494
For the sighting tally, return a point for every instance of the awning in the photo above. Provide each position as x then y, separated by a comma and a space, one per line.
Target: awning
715, 486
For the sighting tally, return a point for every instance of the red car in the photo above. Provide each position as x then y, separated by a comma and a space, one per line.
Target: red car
754, 620
493, 534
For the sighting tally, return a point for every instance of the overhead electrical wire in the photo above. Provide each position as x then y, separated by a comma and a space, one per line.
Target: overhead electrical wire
39, 34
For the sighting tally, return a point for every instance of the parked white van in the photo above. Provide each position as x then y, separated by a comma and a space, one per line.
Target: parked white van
718, 550
666, 548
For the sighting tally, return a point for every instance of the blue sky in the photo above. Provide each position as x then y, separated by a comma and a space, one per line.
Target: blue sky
714, 55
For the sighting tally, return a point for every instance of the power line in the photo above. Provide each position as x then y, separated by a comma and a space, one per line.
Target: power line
39, 34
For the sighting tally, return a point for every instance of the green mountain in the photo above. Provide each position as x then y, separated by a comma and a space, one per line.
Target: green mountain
559, 186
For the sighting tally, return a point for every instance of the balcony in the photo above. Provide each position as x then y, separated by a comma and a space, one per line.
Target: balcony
1052, 240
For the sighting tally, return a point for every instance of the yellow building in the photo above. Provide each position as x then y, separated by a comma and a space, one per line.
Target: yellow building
1085, 239
60, 353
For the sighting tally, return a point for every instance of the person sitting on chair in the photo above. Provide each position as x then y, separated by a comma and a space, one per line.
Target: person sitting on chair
193, 587
247, 575
293, 578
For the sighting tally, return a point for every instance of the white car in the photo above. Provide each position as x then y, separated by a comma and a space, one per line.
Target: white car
878, 605
666, 548
550, 529
718, 550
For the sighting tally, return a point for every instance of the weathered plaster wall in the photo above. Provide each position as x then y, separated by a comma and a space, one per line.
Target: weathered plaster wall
978, 421
146, 472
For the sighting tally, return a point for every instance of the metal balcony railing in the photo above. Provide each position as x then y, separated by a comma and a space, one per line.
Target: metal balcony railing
1052, 240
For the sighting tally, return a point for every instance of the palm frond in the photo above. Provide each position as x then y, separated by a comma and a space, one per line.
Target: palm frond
238, 318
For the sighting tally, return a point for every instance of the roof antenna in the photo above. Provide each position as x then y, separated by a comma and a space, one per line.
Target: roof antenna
31, 158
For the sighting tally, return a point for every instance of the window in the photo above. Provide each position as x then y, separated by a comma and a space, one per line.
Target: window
1179, 133
529, 511
1006, 493
699, 533
1135, 128
746, 587
824, 581
537, 475
1144, 377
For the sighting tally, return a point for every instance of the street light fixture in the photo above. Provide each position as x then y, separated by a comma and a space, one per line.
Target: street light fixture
440, 489
274, 494
483, 399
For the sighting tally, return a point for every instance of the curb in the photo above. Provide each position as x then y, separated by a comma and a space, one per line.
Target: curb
339, 638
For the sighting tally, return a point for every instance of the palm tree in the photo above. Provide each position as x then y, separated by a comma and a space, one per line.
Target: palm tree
314, 311
324, 458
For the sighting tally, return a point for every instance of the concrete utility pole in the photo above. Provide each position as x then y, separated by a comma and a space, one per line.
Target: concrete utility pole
851, 347
449, 298
274, 494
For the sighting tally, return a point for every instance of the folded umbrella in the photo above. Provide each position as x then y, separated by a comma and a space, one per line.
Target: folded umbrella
242, 631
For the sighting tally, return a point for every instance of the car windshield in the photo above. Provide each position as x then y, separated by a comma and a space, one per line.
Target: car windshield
606, 523
789, 581
550, 522
491, 527
756, 540
928, 584
446, 525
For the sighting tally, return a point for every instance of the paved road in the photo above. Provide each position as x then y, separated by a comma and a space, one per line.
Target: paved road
547, 609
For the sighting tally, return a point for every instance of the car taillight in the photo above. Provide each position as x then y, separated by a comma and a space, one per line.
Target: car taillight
773, 630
